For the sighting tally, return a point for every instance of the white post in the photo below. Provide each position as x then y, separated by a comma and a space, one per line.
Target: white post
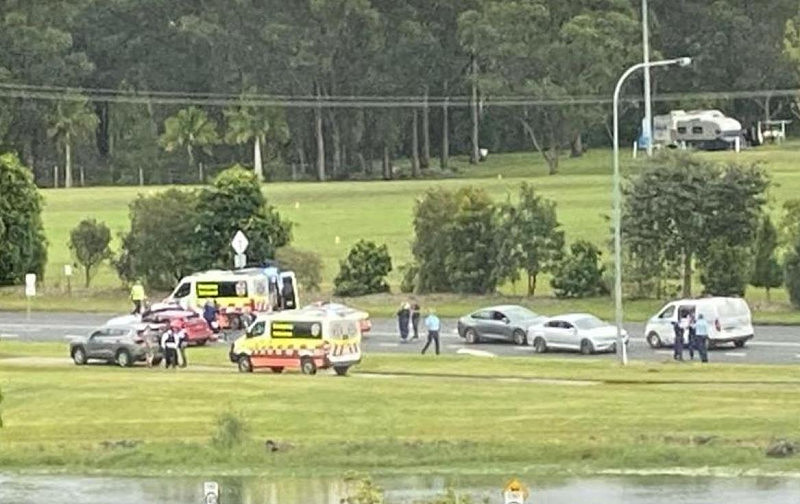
648, 110
737, 143
635, 148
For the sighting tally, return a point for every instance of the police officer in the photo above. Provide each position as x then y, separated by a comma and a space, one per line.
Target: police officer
701, 337
169, 342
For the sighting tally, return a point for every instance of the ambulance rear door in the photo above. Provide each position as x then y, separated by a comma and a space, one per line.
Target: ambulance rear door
289, 295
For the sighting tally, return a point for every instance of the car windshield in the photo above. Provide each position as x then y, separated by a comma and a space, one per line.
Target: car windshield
518, 312
589, 323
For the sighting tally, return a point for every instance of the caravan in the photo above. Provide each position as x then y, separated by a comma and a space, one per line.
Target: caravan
703, 129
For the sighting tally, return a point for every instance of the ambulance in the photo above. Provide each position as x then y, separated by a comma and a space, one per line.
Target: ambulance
239, 294
307, 339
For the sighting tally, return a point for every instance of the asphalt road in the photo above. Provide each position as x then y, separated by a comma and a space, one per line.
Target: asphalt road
771, 345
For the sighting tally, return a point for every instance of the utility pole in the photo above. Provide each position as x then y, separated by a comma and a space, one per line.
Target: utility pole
648, 109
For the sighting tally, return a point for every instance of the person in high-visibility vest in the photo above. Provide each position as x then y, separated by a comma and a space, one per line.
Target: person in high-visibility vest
137, 296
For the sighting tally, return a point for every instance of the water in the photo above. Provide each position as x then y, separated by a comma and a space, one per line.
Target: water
16, 489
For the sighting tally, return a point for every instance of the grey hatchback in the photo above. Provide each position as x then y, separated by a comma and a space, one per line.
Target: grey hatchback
120, 344
506, 322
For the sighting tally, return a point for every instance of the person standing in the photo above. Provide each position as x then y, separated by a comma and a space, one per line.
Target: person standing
210, 315
701, 337
677, 347
149, 346
433, 324
137, 296
403, 316
169, 344
415, 316
180, 348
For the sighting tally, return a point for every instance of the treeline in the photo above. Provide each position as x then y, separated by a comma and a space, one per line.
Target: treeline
457, 58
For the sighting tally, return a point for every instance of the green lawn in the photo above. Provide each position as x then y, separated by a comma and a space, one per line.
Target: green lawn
61, 417
382, 211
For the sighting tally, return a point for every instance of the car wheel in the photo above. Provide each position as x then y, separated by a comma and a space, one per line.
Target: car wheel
245, 365
539, 345
586, 347
79, 356
276, 369
341, 370
520, 338
123, 359
739, 343
307, 366
653, 340
471, 337
156, 361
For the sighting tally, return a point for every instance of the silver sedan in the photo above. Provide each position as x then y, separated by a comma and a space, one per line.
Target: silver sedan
580, 332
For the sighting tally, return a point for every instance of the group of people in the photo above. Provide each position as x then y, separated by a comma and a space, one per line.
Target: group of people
691, 332
172, 344
408, 317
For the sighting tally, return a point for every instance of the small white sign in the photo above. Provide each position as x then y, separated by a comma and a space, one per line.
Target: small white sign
30, 284
513, 497
67, 270
239, 242
239, 261
210, 492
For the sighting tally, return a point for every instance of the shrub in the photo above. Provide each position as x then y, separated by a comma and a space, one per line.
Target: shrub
231, 431
364, 271
23, 247
580, 273
409, 281
791, 272
88, 242
432, 216
725, 269
766, 269
307, 266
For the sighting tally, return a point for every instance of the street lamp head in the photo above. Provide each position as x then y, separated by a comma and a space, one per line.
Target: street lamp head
684, 62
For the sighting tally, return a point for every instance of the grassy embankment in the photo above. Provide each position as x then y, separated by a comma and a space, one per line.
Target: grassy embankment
382, 211
59, 417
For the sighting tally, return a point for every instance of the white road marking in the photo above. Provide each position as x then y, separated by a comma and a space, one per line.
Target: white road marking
664, 352
774, 343
9, 336
523, 348
72, 336
454, 346
389, 344
40, 327
736, 354
476, 353
798, 356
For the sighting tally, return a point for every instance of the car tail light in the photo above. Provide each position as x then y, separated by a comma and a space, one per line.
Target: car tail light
717, 326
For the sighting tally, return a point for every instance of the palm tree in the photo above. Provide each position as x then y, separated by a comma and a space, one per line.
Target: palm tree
71, 120
190, 127
265, 126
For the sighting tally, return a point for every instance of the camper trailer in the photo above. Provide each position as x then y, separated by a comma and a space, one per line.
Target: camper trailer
702, 129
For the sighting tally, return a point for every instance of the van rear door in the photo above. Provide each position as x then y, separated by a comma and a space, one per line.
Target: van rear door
734, 318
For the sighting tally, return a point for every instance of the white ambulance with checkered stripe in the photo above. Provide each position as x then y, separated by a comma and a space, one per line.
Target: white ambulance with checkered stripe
308, 339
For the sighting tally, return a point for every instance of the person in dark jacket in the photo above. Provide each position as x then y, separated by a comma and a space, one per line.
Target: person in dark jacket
677, 353
415, 316
210, 315
403, 317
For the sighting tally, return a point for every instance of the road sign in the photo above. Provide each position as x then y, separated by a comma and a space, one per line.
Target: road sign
239, 261
68, 270
30, 284
239, 242
210, 492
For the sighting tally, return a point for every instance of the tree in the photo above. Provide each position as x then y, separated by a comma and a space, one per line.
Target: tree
364, 271
160, 247
88, 242
675, 207
767, 272
725, 269
265, 126
432, 215
580, 273
190, 128
235, 202
792, 274
23, 247
71, 121
471, 242
531, 238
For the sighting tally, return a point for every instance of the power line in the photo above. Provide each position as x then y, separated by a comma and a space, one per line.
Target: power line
60, 93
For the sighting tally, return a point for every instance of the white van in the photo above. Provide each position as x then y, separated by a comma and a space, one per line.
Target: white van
729, 321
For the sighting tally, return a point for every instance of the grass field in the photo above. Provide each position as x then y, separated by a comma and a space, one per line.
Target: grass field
382, 211
139, 421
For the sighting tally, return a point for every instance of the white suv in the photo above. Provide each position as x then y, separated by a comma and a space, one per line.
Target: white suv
729, 321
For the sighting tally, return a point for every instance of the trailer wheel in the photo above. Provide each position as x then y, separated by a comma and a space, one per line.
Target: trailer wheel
341, 370
307, 366
276, 369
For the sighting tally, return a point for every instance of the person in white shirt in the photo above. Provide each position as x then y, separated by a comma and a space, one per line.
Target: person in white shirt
169, 342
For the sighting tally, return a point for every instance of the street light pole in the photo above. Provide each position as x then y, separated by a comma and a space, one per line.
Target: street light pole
648, 107
617, 195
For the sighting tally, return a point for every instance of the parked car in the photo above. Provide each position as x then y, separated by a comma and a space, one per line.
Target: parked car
580, 332
729, 321
197, 330
506, 322
120, 344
